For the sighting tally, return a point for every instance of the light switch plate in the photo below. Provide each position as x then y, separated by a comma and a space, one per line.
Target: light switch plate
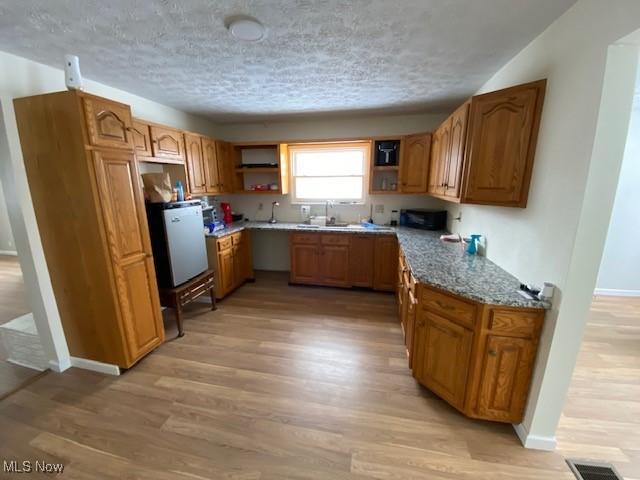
305, 211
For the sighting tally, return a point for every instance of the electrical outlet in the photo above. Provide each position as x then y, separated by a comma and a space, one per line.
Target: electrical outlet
379, 208
305, 211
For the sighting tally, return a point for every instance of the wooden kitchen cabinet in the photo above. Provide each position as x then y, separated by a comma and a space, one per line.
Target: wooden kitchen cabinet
195, 164
320, 259
141, 137
108, 123
444, 361
477, 357
211, 167
225, 161
305, 264
455, 157
385, 263
231, 260
100, 259
361, 249
483, 153
334, 265
167, 143
416, 152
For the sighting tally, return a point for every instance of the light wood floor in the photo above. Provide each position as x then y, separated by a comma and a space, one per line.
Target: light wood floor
280, 382
13, 296
13, 303
601, 418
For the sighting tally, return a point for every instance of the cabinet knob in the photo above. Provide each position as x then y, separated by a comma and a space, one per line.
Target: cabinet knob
493, 353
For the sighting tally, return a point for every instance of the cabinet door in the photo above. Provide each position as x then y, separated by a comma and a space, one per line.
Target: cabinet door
385, 263
453, 175
305, 265
225, 166
415, 163
226, 272
141, 139
127, 235
445, 355
167, 143
502, 140
211, 176
195, 164
361, 260
334, 265
108, 123
506, 374
439, 165
410, 322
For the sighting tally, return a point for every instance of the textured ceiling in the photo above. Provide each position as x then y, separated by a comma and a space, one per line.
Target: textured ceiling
319, 56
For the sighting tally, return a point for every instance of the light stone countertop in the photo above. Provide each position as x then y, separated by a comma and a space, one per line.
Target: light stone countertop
432, 262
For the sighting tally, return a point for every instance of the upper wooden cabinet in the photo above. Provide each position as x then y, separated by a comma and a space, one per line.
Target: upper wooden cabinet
99, 258
455, 156
225, 161
483, 153
195, 164
141, 138
108, 123
414, 166
167, 143
503, 131
211, 166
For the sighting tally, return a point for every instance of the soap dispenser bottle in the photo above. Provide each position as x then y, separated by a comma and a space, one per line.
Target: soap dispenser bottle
472, 247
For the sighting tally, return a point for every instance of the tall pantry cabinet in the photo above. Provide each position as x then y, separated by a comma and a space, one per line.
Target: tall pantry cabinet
79, 156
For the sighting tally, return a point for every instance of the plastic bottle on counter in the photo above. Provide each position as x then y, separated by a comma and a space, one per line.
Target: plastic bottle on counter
179, 191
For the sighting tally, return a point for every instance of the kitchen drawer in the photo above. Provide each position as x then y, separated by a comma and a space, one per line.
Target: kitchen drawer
514, 323
225, 243
449, 306
305, 238
337, 239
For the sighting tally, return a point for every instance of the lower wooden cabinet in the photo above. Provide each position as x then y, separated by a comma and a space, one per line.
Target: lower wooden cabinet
344, 260
479, 358
444, 358
230, 258
385, 263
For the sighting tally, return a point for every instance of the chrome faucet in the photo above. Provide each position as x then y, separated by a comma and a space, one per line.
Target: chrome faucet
273, 213
326, 210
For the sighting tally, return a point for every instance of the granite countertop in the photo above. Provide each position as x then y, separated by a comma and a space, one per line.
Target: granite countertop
432, 262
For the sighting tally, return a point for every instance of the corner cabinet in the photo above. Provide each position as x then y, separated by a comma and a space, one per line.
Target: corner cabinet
478, 358
100, 258
483, 153
414, 165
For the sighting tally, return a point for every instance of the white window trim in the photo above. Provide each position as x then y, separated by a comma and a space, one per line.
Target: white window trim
362, 144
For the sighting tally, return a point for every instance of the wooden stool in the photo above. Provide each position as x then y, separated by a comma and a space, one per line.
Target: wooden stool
179, 296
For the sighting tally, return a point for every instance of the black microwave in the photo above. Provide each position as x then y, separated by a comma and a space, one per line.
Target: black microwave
424, 219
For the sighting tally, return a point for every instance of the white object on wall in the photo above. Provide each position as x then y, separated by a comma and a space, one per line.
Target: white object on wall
72, 75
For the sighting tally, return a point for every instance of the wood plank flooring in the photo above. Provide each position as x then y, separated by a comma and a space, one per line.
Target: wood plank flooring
13, 296
279, 382
13, 304
601, 419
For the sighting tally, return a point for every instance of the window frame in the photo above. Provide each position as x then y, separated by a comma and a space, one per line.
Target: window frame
364, 145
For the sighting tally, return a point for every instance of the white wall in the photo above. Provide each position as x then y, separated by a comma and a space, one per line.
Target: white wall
271, 250
21, 77
620, 266
6, 237
547, 241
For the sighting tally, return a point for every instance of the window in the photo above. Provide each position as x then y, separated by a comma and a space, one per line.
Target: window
333, 171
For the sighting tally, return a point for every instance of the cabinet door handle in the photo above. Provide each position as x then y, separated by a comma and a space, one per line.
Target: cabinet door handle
493, 353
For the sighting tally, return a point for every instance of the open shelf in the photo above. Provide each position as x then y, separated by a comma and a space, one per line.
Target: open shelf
389, 168
272, 176
257, 170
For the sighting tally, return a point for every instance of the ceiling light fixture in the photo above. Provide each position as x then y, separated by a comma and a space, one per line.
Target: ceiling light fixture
246, 28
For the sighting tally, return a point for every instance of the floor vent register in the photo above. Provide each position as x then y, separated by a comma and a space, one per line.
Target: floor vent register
584, 470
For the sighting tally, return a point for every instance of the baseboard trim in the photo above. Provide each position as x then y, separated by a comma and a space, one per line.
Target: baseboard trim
60, 366
534, 442
13, 253
86, 364
616, 293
